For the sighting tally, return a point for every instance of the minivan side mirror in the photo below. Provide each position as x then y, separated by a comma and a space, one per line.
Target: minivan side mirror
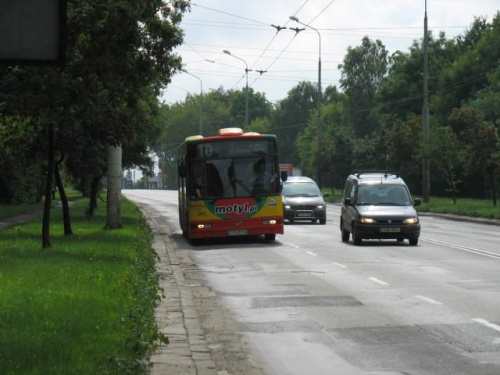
326, 195
417, 202
347, 201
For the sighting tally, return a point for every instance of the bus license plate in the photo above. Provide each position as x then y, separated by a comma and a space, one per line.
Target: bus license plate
390, 230
239, 232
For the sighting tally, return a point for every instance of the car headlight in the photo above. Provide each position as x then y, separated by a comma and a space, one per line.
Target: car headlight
367, 220
320, 207
411, 220
287, 207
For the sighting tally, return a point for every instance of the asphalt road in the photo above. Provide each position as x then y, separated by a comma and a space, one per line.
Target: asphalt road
310, 304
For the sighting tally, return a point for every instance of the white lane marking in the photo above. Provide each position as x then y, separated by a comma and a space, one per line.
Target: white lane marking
463, 248
378, 281
340, 265
430, 300
311, 253
484, 322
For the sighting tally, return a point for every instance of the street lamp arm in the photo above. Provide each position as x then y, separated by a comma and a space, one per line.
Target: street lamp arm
293, 18
236, 57
246, 86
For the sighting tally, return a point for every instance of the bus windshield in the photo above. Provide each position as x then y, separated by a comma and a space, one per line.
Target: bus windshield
231, 177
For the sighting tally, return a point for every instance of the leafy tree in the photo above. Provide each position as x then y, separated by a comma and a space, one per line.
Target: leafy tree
290, 117
363, 70
446, 153
467, 74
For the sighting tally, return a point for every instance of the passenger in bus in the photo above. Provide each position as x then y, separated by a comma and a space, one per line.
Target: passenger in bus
262, 180
198, 181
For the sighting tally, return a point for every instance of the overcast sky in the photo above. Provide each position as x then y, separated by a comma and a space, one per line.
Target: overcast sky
244, 27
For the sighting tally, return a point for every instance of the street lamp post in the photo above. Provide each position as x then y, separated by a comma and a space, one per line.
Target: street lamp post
320, 99
201, 99
246, 86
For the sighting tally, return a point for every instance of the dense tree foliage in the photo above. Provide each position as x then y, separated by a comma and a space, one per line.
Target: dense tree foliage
374, 121
118, 58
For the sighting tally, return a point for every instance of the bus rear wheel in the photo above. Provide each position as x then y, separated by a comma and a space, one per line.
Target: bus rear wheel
270, 237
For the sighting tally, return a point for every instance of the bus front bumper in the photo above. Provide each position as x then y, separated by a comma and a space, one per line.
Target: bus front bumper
234, 228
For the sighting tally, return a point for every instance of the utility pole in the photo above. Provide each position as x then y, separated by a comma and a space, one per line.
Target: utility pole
320, 100
425, 115
201, 99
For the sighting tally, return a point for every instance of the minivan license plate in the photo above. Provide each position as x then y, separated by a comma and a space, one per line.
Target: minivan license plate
390, 230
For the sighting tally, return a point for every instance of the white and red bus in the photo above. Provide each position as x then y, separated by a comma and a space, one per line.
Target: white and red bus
229, 185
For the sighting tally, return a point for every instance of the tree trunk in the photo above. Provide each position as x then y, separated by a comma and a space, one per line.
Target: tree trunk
94, 192
48, 189
64, 200
113, 220
493, 187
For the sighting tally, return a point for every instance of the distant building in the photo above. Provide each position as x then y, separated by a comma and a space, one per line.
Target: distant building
128, 181
154, 182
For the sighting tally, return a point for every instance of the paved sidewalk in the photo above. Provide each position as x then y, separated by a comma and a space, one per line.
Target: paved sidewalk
8, 222
187, 352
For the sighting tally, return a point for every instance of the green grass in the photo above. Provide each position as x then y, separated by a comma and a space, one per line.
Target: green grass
334, 195
465, 206
83, 306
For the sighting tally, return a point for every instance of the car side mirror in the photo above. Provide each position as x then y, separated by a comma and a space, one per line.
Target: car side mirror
347, 201
417, 202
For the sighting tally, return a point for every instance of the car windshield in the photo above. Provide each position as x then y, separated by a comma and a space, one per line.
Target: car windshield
300, 189
383, 195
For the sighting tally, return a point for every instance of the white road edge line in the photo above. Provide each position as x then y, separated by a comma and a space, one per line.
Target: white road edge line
430, 300
311, 253
340, 265
463, 248
378, 281
484, 322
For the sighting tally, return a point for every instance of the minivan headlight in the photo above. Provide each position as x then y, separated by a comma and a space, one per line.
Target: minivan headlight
320, 207
411, 220
367, 220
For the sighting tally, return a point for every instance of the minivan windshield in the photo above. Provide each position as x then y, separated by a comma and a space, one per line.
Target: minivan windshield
383, 195
300, 189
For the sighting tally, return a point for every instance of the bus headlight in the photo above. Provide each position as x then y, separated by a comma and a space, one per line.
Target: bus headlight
204, 226
269, 222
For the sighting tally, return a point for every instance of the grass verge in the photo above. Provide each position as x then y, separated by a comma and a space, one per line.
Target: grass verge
83, 306
465, 207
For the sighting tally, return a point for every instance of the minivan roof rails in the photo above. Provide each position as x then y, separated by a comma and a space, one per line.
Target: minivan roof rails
386, 173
